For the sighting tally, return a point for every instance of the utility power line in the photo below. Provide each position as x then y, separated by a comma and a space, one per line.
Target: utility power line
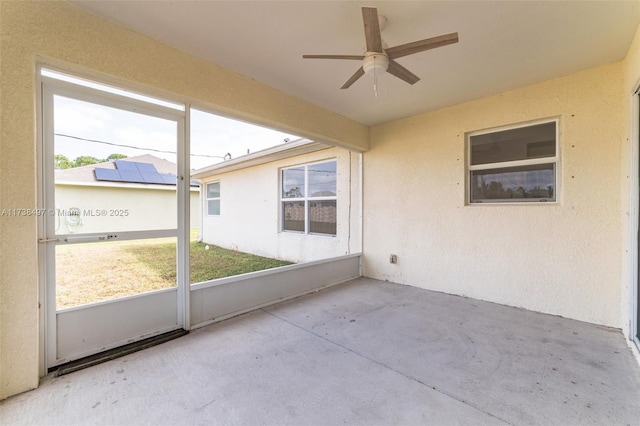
136, 147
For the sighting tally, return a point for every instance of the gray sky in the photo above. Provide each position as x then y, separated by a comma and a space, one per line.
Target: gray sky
211, 135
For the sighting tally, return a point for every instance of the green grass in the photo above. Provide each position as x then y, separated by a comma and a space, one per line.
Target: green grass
207, 262
87, 273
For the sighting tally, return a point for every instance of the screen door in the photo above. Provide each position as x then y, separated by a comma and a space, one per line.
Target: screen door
111, 192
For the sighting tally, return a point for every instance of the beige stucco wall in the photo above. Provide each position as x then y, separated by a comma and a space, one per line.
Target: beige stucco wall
250, 209
65, 36
563, 258
629, 164
122, 208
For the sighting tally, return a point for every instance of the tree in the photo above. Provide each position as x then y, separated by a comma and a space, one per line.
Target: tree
85, 160
62, 162
112, 157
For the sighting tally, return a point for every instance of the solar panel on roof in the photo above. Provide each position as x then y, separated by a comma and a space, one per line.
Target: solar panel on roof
146, 168
131, 176
108, 174
169, 178
135, 172
154, 177
126, 165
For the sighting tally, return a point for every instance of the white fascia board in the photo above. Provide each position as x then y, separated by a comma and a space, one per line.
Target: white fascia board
279, 152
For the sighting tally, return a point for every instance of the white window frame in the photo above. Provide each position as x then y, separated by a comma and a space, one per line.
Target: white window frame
554, 160
305, 198
207, 199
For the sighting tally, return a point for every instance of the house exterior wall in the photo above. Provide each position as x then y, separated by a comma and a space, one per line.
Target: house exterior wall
630, 190
563, 258
63, 35
249, 218
146, 208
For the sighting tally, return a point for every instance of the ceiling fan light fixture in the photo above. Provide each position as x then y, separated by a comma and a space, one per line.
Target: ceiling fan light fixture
375, 61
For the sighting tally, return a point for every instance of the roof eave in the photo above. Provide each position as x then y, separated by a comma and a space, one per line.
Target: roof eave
279, 152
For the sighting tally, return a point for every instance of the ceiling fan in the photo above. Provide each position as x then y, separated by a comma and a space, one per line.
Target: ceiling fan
378, 57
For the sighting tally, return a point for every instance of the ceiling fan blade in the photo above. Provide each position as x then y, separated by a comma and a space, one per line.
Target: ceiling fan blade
372, 29
353, 78
357, 57
421, 45
402, 73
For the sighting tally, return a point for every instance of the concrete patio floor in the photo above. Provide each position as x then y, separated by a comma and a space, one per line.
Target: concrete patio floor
365, 352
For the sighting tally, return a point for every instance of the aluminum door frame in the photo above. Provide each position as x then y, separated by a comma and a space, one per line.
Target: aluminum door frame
95, 313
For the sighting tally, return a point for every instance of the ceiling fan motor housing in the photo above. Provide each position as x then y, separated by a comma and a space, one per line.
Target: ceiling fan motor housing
375, 61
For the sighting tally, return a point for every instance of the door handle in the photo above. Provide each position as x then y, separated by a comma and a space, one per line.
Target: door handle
48, 240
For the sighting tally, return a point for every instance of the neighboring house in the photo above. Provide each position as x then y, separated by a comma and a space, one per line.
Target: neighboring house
298, 201
133, 194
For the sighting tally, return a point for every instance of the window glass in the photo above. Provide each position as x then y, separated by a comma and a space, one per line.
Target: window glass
535, 181
313, 211
322, 217
322, 179
293, 216
514, 165
523, 143
213, 199
293, 183
213, 190
213, 207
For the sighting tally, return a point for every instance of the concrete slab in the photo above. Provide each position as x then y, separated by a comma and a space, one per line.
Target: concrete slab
366, 352
520, 366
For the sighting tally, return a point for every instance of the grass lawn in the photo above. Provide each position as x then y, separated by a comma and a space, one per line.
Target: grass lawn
207, 261
87, 273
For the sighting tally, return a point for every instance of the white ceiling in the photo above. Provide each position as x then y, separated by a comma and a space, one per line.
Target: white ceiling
503, 45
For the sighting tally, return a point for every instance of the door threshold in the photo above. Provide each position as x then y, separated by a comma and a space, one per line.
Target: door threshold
114, 353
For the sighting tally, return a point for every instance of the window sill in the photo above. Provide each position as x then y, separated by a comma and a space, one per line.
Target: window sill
302, 234
515, 203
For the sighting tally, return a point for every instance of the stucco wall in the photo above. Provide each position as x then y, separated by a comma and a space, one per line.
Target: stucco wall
249, 211
629, 190
65, 36
127, 208
563, 258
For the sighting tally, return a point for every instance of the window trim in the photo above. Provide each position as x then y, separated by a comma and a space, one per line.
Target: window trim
554, 160
306, 199
218, 198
